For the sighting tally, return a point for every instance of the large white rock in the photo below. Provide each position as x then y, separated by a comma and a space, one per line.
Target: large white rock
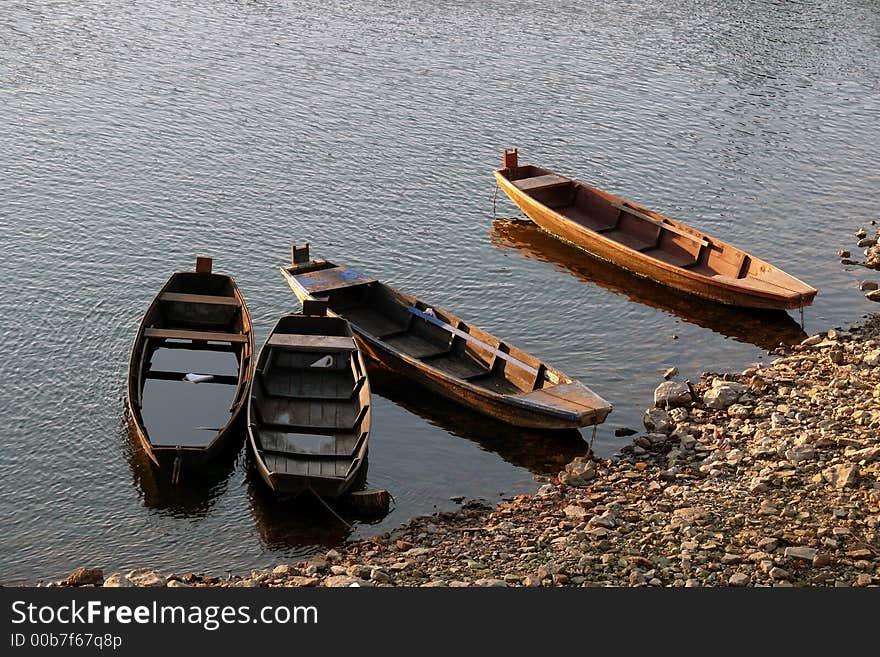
672, 393
723, 395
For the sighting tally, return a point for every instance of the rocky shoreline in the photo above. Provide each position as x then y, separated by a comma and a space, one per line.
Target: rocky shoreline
770, 477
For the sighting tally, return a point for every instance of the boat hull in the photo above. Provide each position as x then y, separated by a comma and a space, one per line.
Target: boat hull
593, 243
295, 485
499, 408
467, 396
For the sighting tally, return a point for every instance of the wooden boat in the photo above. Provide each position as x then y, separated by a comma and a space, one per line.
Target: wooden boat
445, 354
309, 408
647, 243
190, 368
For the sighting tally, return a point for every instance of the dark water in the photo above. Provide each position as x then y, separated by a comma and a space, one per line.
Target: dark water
139, 134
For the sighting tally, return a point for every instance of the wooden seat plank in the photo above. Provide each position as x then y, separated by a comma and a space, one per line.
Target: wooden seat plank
537, 183
313, 342
181, 334
332, 278
199, 298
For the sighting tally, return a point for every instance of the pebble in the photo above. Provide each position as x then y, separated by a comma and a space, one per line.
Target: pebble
671, 394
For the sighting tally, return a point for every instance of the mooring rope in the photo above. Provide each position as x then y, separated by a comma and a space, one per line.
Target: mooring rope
175, 471
338, 517
494, 197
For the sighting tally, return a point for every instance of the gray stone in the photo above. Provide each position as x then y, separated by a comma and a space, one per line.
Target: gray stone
867, 455
866, 286
866, 241
491, 582
821, 559
779, 573
578, 473
145, 577
842, 476
418, 551
298, 581
671, 372
671, 394
359, 570
739, 411
575, 512
117, 580
738, 579
656, 420
722, 395
800, 454
873, 295
342, 581
379, 576
872, 359
802, 553
282, 570
177, 584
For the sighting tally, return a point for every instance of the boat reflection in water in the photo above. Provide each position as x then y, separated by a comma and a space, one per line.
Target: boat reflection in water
298, 525
763, 328
543, 452
192, 495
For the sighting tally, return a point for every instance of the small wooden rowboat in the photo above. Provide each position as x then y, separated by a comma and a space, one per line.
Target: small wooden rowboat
190, 368
445, 354
309, 409
647, 243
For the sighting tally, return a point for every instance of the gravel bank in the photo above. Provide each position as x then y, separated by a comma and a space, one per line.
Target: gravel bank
770, 477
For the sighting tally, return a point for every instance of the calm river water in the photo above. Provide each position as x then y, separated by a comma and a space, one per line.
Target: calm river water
137, 135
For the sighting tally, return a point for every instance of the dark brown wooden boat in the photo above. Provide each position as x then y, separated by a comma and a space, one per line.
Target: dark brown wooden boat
647, 243
190, 368
309, 408
444, 353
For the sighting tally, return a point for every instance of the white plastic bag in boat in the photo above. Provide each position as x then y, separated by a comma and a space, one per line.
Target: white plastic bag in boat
198, 378
430, 311
326, 361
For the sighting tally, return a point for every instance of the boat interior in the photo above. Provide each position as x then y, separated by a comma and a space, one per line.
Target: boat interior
631, 225
197, 326
433, 336
310, 401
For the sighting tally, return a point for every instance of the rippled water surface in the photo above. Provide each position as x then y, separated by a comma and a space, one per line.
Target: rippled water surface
139, 134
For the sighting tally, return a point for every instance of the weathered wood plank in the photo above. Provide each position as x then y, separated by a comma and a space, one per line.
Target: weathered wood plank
334, 278
199, 298
537, 183
180, 334
313, 342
